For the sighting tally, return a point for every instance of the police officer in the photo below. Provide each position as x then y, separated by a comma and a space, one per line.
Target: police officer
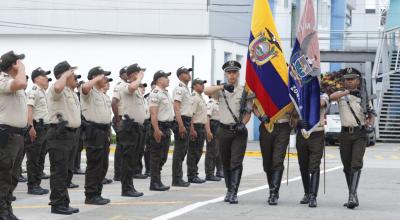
235, 111
273, 144
38, 118
131, 133
116, 105
355, 118
142, 150
197, 131
13, 121
162, 116
212, 159
183, 116
310, 148
65, 119
96, 110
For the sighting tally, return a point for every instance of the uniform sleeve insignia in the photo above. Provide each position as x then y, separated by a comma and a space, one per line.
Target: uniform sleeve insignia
178, 92
34, 88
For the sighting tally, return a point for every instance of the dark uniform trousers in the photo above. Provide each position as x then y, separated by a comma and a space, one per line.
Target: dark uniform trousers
142, 148
352, 149
273, 146
60, 142
9, 148
34, 153
147, 147
181, 148
72, 156
232, 148
130, 139
98, 148
195, 151
212, 159
117, 153
309, 152
159, 151
78, 156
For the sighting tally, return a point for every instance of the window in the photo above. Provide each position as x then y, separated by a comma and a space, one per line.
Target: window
349, 13
227, 56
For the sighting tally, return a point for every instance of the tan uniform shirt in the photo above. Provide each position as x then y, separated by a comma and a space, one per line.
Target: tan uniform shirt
213, 109
65, 103
13, 108
199, 109
346, 117
117, 95
321, 126
96, 106
37, 98
234, 103
161, 99
181, 93
133, 104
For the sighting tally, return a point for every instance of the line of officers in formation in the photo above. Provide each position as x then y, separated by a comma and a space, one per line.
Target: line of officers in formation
53, 120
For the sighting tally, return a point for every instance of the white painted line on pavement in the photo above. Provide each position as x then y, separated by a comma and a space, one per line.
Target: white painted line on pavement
197, 205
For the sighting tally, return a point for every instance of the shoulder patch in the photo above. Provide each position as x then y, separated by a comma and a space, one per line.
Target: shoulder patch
180, 85
118, 83
34, 88
155, 91
193, 94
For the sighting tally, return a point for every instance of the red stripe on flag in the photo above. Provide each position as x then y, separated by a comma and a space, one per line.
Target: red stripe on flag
263, 97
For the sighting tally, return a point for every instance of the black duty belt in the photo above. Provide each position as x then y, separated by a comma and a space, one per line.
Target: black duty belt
230, 127
165, 124
13, 130
104, 127
352, 129
66, 128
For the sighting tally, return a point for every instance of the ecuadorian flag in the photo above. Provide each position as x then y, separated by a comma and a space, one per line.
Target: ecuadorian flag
267, 71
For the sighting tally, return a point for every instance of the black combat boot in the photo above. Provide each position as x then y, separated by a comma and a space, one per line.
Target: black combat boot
305, 178
157, 185
353, 199
269, 179
348, 180
236, 175
227, 184
314, 185
276, 184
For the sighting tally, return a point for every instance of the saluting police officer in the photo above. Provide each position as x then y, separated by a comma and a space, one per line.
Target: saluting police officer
13, 122
235, 111
161, 116
212, 160
197, 131
355, 118
116, 105
310, 149
183, 117
273, 144
65, 119
38, 118
131, 133
96, 110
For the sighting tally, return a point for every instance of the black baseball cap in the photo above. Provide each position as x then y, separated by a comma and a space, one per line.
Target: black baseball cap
198, 81
39, 72
62, 67
95, 71
351, 73
122, 70
183, 70
160, 74
231, 65
8, 59
134, 68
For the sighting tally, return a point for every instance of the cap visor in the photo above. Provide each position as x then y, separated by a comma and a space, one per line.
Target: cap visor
144, 69
231, 69
21, 56
47, 72
107, 73
350, 76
